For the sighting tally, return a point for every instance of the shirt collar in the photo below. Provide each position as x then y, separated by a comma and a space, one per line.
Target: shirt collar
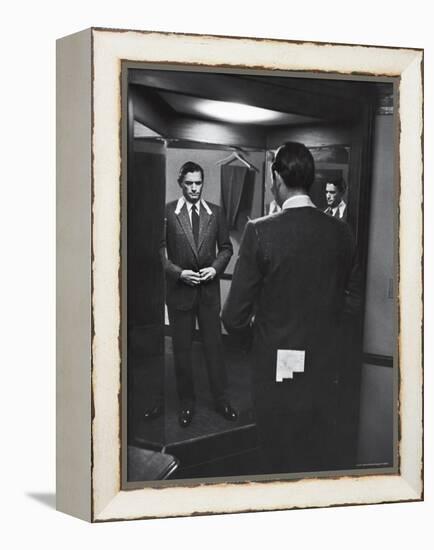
298, 201
190, 206
340, 207
182, 201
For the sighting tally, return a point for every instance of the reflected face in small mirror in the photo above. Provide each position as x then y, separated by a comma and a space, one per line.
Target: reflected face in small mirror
333, 195
191, 186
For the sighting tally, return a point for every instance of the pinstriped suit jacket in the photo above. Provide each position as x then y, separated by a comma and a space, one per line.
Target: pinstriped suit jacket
179, 252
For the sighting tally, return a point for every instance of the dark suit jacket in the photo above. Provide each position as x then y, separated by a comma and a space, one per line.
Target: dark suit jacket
179, 252
292, 273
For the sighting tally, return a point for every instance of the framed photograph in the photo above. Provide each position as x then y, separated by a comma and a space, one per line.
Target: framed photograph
239, 274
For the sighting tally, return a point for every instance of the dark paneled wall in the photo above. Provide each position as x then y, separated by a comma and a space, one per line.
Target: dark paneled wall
146, 200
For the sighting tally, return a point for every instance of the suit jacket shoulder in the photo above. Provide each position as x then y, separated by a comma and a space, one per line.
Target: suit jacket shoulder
215, 209
265, 223
316, 217
171, 206
265, 220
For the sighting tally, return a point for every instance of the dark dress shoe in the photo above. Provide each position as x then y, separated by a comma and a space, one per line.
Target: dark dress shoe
185, 416
224, 408
153, 412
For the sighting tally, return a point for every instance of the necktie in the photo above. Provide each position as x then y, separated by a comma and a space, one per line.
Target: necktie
336, 214
195, 223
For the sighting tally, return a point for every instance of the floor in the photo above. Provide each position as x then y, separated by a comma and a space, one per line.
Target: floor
210, 445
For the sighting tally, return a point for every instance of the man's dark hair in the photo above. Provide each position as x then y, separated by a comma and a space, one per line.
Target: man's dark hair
188, 167
339, 183
294, 164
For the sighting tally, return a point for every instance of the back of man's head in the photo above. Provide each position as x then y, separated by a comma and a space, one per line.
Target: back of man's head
295, 165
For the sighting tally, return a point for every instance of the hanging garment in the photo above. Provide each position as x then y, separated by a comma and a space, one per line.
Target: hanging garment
237, 187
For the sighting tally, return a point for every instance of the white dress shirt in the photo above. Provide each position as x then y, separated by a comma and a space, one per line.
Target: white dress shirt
199, 204
190, 206
340, 208
298, 201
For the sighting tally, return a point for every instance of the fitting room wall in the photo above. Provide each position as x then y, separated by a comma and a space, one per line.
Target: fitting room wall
376, 405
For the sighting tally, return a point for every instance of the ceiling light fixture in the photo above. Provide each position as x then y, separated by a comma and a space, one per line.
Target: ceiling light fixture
235, 112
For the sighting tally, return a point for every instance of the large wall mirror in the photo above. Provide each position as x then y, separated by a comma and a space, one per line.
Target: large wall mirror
231, 124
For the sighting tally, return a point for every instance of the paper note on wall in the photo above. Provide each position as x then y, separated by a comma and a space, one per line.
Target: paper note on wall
288, 362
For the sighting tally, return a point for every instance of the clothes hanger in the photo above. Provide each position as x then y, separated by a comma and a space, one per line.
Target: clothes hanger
237, 156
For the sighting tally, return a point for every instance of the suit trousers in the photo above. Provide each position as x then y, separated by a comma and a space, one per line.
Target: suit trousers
303, 441
183, 326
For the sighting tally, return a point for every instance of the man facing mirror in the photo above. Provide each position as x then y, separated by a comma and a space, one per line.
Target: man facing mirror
195, 252
289, 289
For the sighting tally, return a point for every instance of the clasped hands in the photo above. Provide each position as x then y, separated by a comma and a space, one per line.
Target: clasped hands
194, 278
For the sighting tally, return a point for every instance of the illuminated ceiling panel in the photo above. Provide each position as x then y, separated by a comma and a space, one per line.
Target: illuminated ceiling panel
235, 113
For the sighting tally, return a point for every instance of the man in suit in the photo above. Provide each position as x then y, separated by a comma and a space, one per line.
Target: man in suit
195, 252
336, 206
288, 290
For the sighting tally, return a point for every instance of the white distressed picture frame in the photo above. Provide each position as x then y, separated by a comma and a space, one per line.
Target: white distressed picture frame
88, 267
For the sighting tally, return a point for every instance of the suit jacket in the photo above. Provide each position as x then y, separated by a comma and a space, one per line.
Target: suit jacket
292, 273
179, 251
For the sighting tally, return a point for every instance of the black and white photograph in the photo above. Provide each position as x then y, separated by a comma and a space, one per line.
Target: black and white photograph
217, 262
259, 336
